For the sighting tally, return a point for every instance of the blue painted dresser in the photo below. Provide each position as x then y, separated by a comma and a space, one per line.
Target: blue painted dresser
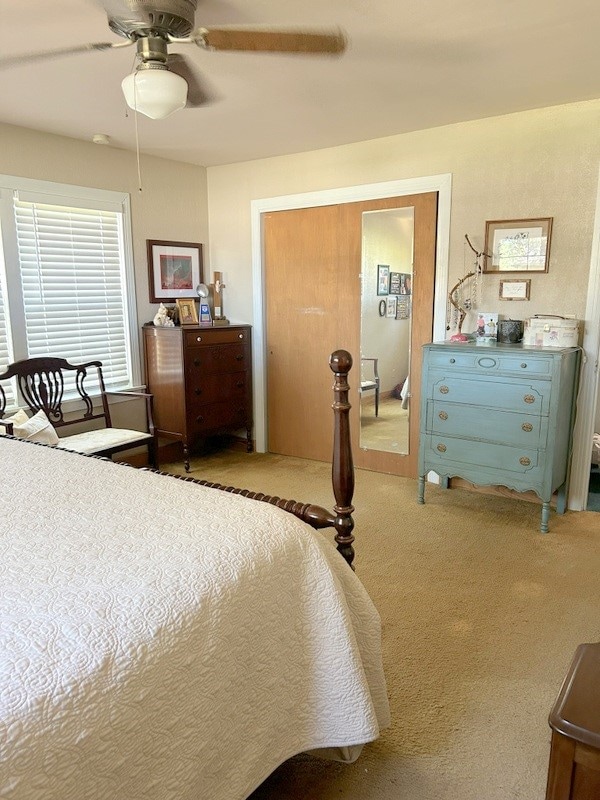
499, 415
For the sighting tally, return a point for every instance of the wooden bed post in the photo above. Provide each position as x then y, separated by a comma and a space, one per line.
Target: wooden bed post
342, 470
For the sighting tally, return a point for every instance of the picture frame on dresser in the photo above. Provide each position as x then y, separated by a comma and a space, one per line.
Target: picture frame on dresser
188, 313
174, 269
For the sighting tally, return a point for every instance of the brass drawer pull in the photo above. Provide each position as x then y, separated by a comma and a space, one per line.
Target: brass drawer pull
453, 361
240, 384
443, 415
198, 338
444, 390
529, 398
525, 461
527, 426
200, 418
239, 357
523, 365
441, 448
196, 362
198, 391
240, 335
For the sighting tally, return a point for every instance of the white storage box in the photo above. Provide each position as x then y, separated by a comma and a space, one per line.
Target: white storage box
551, 332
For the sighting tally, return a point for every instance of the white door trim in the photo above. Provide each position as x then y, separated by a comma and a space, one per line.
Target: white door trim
588, 386
442, 184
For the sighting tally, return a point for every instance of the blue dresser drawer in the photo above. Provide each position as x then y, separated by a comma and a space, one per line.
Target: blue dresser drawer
442, 452
482, 360
533, 397
509, 427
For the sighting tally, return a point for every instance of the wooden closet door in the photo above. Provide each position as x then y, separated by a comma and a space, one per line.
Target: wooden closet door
313, 260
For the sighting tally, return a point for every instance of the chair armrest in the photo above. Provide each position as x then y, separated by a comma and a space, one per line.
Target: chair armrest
8, 426
149, 405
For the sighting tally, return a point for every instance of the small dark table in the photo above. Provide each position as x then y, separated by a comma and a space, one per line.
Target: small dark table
574, 770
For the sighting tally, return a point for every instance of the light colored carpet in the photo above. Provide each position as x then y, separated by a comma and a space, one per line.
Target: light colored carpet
389, 430
481, 616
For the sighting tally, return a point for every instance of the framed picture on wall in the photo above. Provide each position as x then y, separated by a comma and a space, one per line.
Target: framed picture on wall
394, 283
174, 269
383, 279
391, 307
403, 307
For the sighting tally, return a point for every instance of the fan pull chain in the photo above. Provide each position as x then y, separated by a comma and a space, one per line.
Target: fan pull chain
137, 136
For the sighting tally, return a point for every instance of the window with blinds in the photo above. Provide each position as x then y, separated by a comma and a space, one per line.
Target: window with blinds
71, 269
6, 352
68, 284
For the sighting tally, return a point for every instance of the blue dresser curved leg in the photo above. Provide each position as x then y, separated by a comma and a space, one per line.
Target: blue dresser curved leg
421, 494
545, 517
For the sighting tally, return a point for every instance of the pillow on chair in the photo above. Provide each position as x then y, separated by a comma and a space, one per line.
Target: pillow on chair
37, 429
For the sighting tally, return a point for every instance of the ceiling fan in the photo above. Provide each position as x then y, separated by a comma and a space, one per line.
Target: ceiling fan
165, 82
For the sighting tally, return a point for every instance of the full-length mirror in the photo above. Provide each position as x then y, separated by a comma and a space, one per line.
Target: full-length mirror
386, 309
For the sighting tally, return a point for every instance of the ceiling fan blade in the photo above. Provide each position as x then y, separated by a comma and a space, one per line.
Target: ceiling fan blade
263, 40
28, 58
199, 94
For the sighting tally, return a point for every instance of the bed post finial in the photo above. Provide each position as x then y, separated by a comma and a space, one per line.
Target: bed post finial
342, 472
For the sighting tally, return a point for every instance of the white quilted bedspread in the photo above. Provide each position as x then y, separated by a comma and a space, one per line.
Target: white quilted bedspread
154, 648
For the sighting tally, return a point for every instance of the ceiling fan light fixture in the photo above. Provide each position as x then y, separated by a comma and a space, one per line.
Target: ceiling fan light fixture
155, 92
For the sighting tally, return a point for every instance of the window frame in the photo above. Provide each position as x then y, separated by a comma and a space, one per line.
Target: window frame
86, 197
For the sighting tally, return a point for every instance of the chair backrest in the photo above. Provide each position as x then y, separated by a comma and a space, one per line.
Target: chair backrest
370, 374
41, 384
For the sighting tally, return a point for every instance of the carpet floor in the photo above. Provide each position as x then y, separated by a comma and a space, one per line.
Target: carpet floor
481, 616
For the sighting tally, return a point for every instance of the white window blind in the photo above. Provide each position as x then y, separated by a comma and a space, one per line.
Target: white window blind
73, 284
6, 354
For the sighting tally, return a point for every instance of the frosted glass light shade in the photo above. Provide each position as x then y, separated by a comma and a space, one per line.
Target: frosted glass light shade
155, 92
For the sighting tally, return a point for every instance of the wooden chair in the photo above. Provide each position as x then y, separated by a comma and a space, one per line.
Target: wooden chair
370, 384
41, 384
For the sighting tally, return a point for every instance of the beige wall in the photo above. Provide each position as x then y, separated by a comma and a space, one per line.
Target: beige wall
535, 163
172, 204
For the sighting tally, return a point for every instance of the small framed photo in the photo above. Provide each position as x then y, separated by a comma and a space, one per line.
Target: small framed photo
515, 290
394, 283
403, 307
487, 325
174, 269
188, 313
383, 279
517, 245
391, 307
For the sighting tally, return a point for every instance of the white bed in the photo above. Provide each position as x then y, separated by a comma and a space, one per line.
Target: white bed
152, 646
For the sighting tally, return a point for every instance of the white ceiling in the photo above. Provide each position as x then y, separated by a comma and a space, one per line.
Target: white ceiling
410, 65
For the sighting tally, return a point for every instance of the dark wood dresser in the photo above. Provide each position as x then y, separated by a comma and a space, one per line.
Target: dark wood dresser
201, 379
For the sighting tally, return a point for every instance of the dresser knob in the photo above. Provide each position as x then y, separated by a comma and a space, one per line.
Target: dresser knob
453, 361
198, 338
198, 391
441, 448
529, 398
239, 357
240, 335
525, 461
196, 362
240, 384
443, 415
444, 390
200, 418
523, 365
527, 426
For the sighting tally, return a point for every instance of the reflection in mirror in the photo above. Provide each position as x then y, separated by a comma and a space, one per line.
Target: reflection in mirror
386, 310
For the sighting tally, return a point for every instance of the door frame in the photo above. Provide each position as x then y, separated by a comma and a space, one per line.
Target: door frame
442, 184
587, 397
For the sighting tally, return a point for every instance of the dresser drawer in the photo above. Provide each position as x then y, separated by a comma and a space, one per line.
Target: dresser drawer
199, 337
230, 386
509, 427
486, 361
533, 397
218, 416
217, 358
444, 452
